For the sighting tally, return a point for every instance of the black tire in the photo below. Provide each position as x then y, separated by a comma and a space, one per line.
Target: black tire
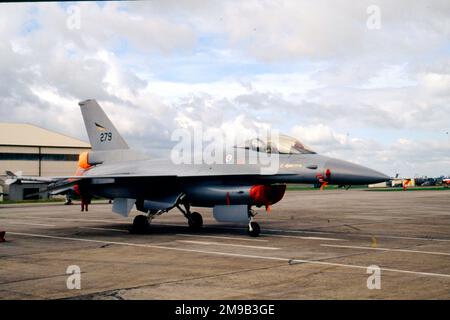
195, 221
140, 225
256, 230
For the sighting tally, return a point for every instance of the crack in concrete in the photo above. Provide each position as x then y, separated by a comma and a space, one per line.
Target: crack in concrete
107, 292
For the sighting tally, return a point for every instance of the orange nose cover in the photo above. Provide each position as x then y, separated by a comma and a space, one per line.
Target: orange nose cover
267, 195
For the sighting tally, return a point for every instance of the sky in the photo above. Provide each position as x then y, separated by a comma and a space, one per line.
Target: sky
365, 81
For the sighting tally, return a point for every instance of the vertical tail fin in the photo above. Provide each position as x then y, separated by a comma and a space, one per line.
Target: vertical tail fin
102, 133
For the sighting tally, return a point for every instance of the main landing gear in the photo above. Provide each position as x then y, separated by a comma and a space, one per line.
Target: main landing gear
141, 223
253, 228
195, 219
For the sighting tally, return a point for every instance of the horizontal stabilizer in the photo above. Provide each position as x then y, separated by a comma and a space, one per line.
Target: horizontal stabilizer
56, 187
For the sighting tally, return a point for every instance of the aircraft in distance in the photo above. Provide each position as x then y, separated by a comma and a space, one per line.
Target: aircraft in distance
446, 182
155, 186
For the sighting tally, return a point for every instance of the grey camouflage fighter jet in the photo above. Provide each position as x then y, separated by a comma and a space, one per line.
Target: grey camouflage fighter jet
155, 186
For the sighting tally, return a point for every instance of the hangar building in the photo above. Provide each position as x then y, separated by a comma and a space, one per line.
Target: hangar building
36, 152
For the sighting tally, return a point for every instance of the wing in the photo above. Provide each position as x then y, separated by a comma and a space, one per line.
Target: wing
151, 170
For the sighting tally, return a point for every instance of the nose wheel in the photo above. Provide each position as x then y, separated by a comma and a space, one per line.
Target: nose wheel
253, 229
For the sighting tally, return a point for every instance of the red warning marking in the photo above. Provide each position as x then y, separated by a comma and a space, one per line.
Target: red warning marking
266, 195
323, 182
320, 177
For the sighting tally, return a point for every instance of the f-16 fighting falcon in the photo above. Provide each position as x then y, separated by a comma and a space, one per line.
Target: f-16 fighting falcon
232, 188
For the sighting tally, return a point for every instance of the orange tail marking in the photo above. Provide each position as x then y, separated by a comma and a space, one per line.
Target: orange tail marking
83, 165
83, 160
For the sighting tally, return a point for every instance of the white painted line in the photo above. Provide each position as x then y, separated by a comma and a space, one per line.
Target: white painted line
348, 234
370, 235
220, 237
323, 263
32, 224
303, 238
297, 231
106, 221
244, 228
169, 224
80, 219
407, 238
226, 244
104, 229
387, 249
278, 230
92, 220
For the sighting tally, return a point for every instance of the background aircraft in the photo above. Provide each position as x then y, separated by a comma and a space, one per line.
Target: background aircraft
156, 186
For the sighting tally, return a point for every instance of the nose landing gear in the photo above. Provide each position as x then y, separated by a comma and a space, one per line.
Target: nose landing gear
253, 228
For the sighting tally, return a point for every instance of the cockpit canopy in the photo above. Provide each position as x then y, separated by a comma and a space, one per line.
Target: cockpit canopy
283, 144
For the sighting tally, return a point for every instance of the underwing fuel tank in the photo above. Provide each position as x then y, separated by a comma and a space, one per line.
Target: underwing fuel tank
257, 195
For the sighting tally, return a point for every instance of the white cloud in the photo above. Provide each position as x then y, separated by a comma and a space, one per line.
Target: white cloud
320, 135
436, 83
312, 69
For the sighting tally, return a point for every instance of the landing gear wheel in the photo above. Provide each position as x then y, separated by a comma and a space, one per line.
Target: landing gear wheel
195, 220
141, 225
253, 229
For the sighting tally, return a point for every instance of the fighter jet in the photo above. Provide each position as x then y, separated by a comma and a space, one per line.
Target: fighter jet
232, 188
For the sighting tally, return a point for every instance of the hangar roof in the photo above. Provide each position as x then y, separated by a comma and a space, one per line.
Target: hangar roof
21, 134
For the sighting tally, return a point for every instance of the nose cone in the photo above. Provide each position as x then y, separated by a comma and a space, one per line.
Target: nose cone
347, 173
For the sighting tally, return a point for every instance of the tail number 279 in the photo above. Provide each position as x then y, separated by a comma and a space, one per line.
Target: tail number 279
105, 136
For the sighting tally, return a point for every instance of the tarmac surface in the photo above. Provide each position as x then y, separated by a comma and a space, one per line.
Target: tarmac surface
314, 245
